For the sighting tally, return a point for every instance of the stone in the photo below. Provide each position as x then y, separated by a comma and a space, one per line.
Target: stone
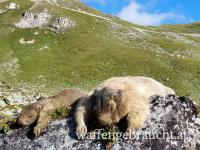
12, 6
2, 1
22, 41
6, 101
36, 33
33, 20
2, 11
62, 24
173, 124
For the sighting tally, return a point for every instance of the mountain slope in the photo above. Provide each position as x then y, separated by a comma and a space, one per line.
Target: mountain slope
96, 48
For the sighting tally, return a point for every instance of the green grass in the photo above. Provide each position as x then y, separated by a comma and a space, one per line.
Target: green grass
188, 28
90, 53
60, 112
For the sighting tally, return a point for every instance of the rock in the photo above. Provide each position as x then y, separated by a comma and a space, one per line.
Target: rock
44, 47
2, 11
2, 1
2, 104
37, 96
12, 6
6, 101
36, 33
33, 20
62, 24
22, 41
13, 30
15, 98
173, 124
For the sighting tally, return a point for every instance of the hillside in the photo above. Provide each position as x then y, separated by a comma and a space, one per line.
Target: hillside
72, 45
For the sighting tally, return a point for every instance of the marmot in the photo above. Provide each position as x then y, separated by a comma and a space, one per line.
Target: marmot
119, 97
42, 110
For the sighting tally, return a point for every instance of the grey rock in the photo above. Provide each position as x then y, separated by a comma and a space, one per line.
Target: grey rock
12, 6
2, 1
33, 20
2, 11
16, 99
6, 101
173, 124
61, 24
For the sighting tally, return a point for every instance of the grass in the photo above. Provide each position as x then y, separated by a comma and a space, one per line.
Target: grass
6, 124
109, 137
90, 53
188, 28
60, 112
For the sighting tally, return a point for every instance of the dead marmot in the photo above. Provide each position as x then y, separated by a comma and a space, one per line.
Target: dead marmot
116, 98
41, 111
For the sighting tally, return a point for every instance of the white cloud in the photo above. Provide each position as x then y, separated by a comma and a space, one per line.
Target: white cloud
137, 13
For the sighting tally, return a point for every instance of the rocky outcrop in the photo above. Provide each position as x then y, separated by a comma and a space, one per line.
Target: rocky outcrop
2, 11
11, 99
173, 124
11, 104
12, 6
22, 41
2, 1
33, 20
62, 24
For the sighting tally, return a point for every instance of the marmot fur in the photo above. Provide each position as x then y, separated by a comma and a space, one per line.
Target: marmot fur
42, 110
119, 97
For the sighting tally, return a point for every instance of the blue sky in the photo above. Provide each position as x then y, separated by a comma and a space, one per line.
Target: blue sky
150, 12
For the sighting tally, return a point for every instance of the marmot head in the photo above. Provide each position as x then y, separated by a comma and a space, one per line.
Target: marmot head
105, 106
29, 114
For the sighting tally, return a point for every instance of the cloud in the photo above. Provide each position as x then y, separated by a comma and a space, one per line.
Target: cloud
138, 14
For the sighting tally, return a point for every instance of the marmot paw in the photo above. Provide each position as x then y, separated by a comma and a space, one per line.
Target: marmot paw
37, 131
81, 131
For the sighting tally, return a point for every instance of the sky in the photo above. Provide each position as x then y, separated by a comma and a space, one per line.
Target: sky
150, 12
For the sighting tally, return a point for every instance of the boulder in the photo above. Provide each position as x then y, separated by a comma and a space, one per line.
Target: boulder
12, 6
33, 20
173, 124
61, 24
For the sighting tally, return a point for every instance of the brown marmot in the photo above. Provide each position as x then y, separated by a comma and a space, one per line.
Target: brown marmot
42, 110
119, 97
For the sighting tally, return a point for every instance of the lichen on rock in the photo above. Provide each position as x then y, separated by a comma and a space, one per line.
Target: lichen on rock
62, 24
172, 124
33, 20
